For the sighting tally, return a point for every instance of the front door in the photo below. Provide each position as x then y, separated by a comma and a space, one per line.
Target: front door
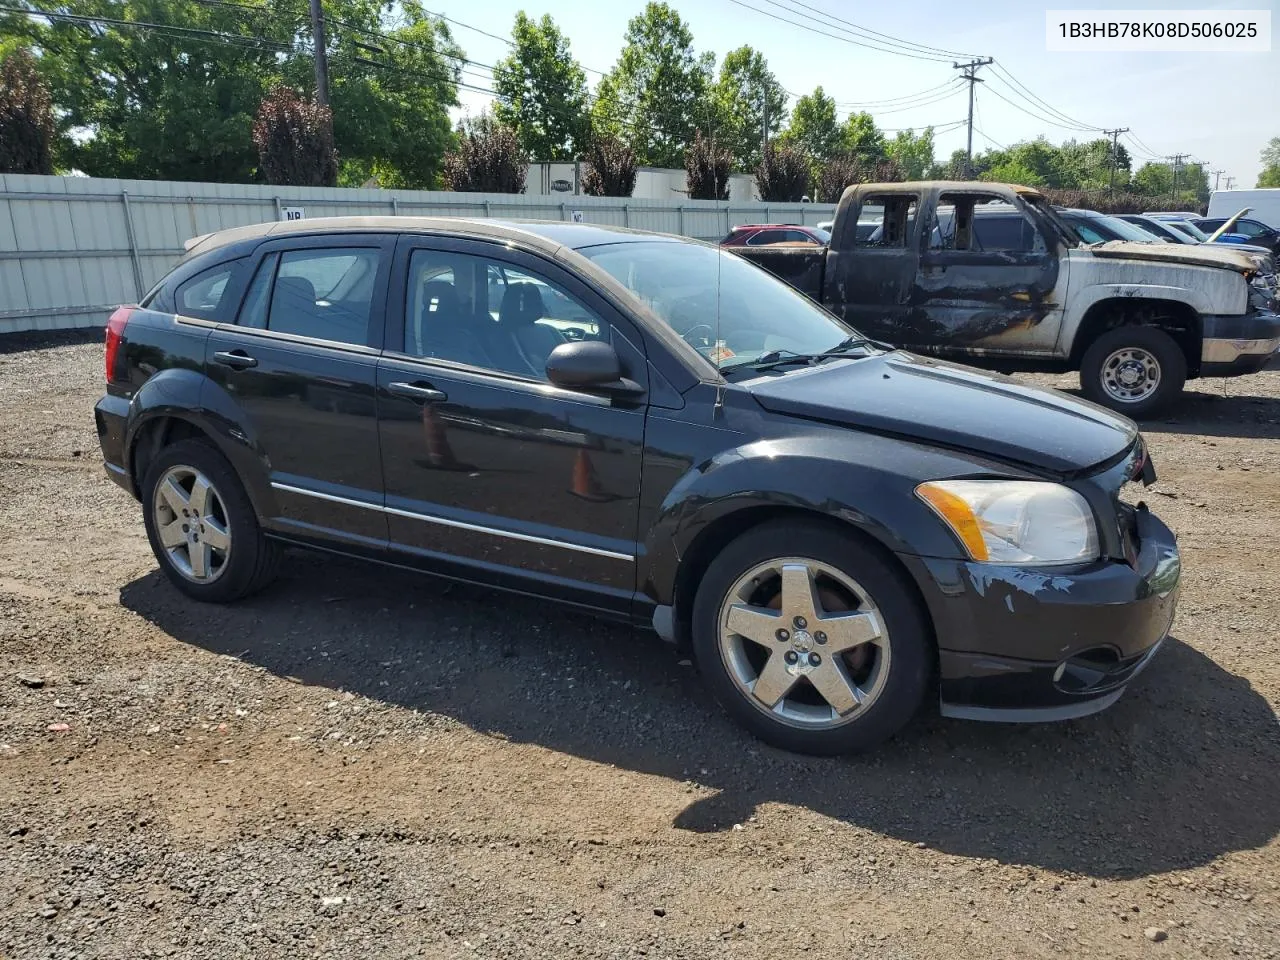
492, 473
297, 369
990, 281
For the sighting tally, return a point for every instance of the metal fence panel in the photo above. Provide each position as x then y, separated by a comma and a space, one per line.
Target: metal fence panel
71, 248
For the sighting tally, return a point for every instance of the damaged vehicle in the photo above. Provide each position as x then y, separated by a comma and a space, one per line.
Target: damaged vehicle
993, 275
653, 430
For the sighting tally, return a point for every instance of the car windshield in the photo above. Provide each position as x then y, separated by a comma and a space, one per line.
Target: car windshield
824, 236
1124, 229
730, 311
1189, 228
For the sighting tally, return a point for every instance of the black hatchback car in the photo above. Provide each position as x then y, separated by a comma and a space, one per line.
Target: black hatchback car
651, 429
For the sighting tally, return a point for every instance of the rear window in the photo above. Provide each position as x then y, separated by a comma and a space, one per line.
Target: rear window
322, 293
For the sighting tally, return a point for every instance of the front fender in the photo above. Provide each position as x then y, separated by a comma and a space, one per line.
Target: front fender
191, 397
864, 480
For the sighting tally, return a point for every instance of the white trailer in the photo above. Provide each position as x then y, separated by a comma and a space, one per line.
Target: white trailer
1264, 204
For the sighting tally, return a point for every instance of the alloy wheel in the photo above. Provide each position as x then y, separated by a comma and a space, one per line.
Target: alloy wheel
192, 524
804, 643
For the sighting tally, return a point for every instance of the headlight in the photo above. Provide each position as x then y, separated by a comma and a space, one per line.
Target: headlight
1015, 521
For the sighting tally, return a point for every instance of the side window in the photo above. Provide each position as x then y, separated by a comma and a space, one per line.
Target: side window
897, 214
763, 238
1250, 228
489, 314
201, 296
322, 293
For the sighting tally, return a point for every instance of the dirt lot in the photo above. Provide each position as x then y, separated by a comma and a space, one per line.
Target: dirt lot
364, 763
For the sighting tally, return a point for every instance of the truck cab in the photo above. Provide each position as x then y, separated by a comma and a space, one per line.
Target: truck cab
993, 275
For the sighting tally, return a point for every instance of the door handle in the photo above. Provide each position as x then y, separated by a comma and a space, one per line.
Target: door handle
417, 391
235, 359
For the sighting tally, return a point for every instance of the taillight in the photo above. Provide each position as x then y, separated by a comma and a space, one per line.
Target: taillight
115, 339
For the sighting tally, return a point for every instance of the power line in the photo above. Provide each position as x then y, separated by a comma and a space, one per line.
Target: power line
195, 33
832, 36
1024, 92
867, 30
880, 41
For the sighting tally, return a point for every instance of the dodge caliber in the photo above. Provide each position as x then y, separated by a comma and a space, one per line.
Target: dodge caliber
652, 430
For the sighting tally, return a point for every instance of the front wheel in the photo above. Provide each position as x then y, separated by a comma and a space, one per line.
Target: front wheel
811, 639
1133, 370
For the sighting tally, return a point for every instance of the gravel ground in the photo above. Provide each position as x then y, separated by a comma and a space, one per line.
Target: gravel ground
360, 761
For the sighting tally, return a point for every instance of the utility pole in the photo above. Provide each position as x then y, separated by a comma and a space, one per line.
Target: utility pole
321, 57
971, 77
1115, 153
1177, 159
1216, 175
1230, 181
764, 123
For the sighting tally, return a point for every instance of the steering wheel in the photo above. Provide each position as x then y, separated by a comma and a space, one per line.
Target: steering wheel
688, 335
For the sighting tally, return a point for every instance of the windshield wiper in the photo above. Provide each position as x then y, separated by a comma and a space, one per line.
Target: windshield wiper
855, 342
772, 358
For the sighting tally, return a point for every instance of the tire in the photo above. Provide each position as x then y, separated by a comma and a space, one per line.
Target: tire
249, 560
893, 672
1146, 352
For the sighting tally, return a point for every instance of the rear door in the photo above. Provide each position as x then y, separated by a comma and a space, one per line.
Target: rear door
298, 370
492, 473
870, 272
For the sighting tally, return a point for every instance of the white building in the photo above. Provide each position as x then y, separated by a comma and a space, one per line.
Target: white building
652, 183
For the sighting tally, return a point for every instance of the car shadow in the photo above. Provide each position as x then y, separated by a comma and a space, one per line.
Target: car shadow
1185, 768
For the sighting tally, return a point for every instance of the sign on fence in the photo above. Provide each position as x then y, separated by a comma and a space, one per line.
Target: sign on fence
291, 213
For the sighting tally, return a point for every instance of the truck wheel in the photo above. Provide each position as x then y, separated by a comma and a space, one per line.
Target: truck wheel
202, 527
811, 639
1133, 370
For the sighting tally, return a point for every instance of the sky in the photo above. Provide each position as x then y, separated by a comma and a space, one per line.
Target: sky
1216, 107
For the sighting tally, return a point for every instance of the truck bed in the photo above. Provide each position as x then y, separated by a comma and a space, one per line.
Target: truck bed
802, 267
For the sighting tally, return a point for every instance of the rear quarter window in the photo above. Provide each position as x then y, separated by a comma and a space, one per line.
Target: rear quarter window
203, 295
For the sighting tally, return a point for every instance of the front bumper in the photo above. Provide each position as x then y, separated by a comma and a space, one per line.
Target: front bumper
1020, 644
111, 416
1240, 344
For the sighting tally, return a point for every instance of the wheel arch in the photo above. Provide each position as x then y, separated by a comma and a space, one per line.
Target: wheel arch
729, 526
1178, 318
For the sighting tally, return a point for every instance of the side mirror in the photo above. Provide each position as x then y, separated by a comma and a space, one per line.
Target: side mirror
588, 365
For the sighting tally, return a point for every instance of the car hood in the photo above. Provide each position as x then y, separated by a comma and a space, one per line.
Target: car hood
1201, 255
918, 397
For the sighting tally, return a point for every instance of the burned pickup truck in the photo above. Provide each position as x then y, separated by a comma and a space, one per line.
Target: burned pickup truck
991, 275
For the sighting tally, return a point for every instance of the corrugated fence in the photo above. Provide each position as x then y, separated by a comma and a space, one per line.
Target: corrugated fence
72, 248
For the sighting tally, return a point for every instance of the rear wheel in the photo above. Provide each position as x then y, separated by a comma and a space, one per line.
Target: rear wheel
811, 639
202, 527
1134, 370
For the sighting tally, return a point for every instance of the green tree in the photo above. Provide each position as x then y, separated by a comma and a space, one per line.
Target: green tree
1011, 171
1154, 179
813, 127
1270, 155
169, 103
1270, 177
656, 96
860, 136
912, 153
745, 89
26, 117
542, 91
